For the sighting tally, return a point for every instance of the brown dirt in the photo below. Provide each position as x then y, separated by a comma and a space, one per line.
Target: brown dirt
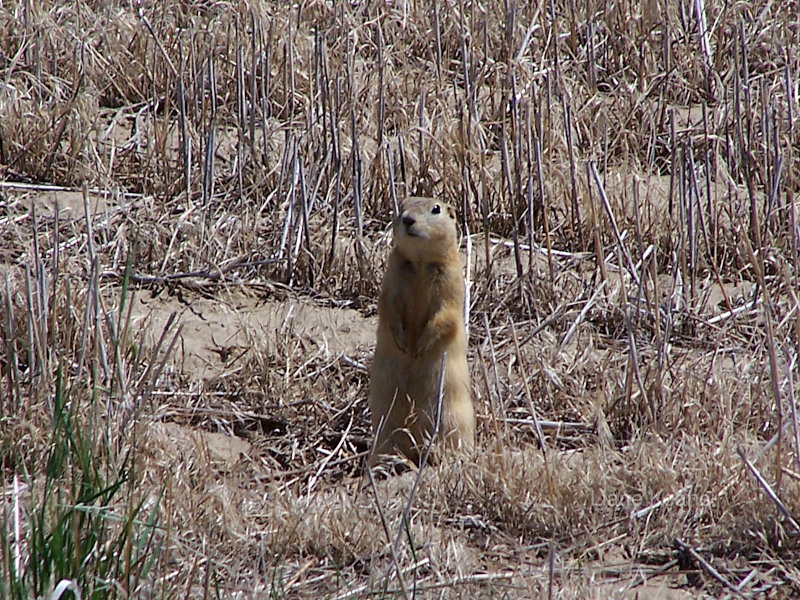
223, 330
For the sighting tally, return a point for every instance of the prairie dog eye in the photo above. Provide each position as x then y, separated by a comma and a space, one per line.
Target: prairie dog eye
436, 209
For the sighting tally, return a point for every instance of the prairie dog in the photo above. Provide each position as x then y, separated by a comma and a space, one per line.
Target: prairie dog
420, 316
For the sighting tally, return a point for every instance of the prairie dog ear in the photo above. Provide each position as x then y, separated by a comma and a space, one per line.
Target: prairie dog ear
451, 211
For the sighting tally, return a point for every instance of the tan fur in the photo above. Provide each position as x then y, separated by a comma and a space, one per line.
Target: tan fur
420, 315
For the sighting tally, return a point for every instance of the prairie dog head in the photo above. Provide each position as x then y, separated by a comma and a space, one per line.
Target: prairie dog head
425, 230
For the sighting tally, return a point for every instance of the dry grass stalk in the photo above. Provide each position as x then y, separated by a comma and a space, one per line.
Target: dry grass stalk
768, 489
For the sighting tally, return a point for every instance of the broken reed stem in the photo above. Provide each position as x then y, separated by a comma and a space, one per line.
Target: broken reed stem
385, 525
145, 378
551, 569
255, 39
312, 481
793, 407
357, 178
100, 355
634, 366
39, 316
10, 345
497, 386
691, 209
710, 251
582, 315
363, 591
518, 203
82, 344
468, 280
758, 268
577, 228
514, 215
528, 396
156, 39
292, 218
241, 113
34, 347
144, 398
768, 490
337, 202
599, 253
537, 155
705, 46
610, 214
437, 31
186, 144
707, 567
393, 182
493, 412
381, 83
211, 142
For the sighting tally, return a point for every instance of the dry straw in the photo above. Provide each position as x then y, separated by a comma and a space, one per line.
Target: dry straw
194, 209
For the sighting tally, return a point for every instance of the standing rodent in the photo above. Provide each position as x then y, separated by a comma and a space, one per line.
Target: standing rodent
420, 316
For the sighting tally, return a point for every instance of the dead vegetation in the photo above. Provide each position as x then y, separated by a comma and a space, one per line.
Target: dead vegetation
194, 209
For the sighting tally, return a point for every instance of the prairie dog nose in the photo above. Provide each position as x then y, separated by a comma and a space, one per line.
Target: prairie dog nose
408, 220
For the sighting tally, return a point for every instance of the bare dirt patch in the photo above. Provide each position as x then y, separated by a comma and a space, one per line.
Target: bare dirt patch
218, 332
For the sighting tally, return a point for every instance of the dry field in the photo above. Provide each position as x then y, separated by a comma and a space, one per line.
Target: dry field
195, 201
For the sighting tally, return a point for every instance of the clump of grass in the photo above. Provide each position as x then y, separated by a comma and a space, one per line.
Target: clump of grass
72, 509
80, 519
